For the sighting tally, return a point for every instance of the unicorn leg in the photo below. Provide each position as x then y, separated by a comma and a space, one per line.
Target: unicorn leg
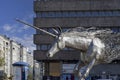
82, 79
77, 68
79, 65
93, 54
81, 71
85, 74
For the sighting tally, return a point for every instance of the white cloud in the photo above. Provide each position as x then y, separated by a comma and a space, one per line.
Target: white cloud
28, 19
26, 41
15, 28
25, 27
10, 28
7, 27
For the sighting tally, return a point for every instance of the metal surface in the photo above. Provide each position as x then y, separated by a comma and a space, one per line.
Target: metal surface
97, 46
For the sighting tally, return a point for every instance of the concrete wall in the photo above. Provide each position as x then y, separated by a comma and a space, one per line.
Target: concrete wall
5, 53
76, 22
59, 5
43, 39
62, 55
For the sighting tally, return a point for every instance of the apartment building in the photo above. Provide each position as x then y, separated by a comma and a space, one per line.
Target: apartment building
30, 58
5, 55
10, 53
24, 53
15, 51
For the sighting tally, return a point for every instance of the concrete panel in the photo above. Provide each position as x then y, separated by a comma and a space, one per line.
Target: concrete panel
71, 55
43, 39
60, 5
76, 22
76, 5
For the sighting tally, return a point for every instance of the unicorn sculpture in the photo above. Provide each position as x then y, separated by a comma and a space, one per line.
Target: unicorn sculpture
96, 46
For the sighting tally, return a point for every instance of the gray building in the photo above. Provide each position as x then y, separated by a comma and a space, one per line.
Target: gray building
69, 14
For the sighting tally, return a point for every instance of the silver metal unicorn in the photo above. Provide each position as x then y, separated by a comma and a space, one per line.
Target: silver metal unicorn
96, 46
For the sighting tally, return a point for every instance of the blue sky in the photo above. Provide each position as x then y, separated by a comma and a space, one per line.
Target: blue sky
22, 9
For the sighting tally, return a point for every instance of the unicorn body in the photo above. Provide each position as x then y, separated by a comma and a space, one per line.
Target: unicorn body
94, 45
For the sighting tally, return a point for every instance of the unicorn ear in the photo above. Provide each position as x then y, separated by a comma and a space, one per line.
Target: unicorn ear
56, 32
60, 29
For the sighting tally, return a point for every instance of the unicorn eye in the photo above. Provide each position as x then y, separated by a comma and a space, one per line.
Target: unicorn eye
59, 38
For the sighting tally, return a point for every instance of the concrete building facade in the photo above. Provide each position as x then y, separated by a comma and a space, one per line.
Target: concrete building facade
15, 51
30, 58
4, 55
24, 54
69, 14
12, 52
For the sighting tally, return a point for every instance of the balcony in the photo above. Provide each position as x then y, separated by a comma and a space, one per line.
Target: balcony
60, 5
62, 55
76, 5
75, 22
43, 39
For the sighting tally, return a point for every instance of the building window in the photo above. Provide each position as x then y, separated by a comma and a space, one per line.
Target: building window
117, 13
7, 43
102, 13
116, 29
51, 14
110, 13
65, 14
71, 14
13, 48
38, 47
43, 47
66, 48
77, 14
87, 14
94, 14
58, 14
